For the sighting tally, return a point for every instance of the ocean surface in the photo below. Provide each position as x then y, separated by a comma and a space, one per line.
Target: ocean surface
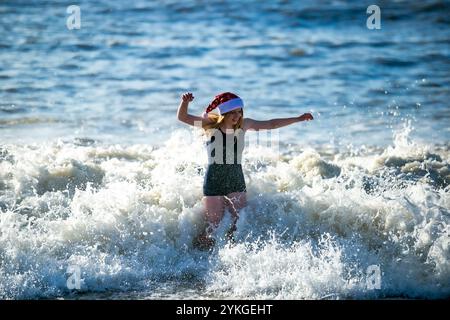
101, 186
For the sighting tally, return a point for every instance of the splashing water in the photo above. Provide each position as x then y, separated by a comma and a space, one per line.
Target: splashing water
126, 216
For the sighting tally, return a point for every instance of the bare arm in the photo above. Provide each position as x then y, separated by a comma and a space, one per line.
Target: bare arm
250, 124
183, 114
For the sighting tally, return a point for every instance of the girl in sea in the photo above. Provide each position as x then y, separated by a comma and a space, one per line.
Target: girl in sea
224, 184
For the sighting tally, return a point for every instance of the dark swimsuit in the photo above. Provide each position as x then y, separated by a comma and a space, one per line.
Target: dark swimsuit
224, 174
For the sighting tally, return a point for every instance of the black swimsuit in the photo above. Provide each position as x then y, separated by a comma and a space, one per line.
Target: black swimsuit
224, 174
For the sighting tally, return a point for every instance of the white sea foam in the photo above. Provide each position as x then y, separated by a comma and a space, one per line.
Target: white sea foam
126, 216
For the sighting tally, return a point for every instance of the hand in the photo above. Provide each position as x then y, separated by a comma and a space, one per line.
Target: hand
306, 117
187, 97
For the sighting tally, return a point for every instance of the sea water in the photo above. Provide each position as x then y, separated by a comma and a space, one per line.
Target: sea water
101, 186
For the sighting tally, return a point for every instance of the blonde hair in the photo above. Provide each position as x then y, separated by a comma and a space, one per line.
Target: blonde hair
217, 119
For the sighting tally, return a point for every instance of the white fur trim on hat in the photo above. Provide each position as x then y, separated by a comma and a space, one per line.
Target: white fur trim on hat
230, 105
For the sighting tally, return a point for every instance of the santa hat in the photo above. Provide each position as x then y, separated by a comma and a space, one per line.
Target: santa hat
225, 102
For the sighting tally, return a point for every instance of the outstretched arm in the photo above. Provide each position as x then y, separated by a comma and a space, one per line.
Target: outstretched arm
183, 114
250, 124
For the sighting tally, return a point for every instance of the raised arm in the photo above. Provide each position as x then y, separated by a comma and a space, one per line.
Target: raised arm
250, 124
183, 114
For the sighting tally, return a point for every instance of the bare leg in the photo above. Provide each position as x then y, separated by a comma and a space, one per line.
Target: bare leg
214, 207
214, 210
235, 201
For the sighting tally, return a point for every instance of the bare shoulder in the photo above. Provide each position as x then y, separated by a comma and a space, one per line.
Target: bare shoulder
248, 123
206, 122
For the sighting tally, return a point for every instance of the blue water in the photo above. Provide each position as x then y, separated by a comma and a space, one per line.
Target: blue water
119, 77
96, 172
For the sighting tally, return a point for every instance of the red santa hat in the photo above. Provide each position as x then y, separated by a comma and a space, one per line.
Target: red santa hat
225, 102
